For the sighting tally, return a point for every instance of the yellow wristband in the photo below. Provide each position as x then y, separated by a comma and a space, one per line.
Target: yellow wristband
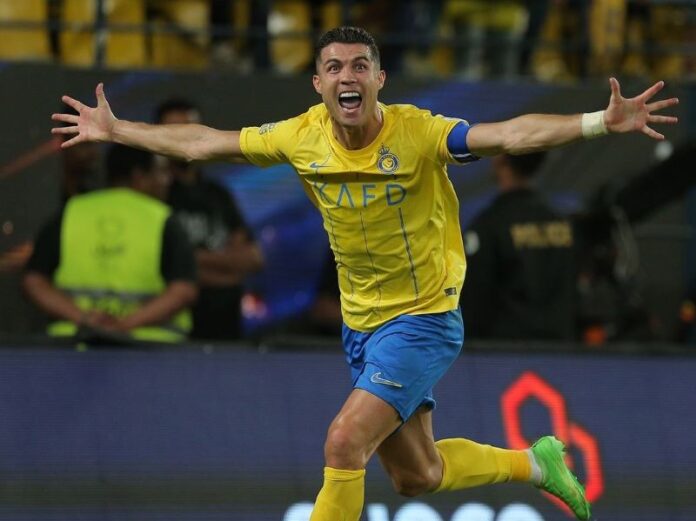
593, 125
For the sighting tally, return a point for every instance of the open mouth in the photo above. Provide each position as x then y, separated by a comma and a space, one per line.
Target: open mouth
349, 100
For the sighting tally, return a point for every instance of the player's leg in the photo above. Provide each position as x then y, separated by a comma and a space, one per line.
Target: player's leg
410, 457
361, 425
405, 360
556, 477
417, 464
364, 421
392, 369
467, 464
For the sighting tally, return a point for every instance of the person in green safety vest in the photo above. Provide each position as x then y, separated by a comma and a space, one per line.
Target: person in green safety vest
114, 260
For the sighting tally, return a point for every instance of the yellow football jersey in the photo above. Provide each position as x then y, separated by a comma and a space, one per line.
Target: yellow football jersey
389, 209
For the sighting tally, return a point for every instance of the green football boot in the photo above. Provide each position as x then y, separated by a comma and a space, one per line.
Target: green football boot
556, 477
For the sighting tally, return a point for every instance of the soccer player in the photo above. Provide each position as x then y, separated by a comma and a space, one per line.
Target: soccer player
377, 173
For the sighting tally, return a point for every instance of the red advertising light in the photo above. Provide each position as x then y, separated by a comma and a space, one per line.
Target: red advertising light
531, 386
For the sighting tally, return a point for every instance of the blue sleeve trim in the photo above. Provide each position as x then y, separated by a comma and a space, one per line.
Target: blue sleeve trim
456, 143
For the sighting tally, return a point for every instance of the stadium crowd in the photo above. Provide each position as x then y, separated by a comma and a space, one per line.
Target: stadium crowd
469, 39
545, 39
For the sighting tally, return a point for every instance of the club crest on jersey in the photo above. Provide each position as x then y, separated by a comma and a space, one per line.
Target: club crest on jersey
387, 163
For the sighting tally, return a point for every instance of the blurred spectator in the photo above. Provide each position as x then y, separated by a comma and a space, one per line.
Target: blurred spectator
487, 36
325, 313
520, 281
583, 38
537, 11
180, 35
686, 329
419, 22
552, 39
226, 251
239, 37
221, 20
15, 257
80, 174
635, 61
563, 47
657, 34
606, 29
611, 304
384, 20
114, 260
323, 317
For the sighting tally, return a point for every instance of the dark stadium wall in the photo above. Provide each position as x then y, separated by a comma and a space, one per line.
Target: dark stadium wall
187, 435
30, 167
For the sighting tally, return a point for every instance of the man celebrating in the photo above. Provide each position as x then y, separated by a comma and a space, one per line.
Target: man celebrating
377, 173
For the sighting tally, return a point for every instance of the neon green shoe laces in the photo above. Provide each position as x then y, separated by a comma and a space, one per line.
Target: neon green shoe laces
557, 479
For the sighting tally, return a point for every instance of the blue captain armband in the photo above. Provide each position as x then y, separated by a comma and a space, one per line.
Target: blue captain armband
456, 144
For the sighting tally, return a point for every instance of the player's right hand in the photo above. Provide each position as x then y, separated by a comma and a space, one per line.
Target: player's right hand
90, 123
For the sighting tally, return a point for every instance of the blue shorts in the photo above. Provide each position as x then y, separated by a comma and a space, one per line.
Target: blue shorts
402, 360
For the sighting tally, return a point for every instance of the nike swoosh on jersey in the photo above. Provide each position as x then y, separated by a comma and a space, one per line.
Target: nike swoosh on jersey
377, 379
316, 165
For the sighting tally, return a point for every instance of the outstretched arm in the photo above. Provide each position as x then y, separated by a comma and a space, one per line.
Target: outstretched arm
188, 142
535, 132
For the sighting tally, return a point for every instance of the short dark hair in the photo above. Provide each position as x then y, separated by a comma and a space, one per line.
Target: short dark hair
347, 34
121, 162
526, 165
173, 105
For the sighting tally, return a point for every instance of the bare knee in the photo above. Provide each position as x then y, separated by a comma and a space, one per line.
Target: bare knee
342, 449
411, 484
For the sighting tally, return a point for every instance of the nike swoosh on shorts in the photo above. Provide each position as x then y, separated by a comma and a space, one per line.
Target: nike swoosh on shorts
377, 379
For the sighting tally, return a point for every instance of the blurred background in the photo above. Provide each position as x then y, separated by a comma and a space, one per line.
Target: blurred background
102, 427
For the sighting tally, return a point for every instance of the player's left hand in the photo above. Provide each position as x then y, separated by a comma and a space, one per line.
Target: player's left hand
636, 114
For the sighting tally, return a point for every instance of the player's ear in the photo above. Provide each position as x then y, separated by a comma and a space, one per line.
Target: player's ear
381, 77
316, 81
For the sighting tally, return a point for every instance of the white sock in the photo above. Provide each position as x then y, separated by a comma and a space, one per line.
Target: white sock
536, 469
